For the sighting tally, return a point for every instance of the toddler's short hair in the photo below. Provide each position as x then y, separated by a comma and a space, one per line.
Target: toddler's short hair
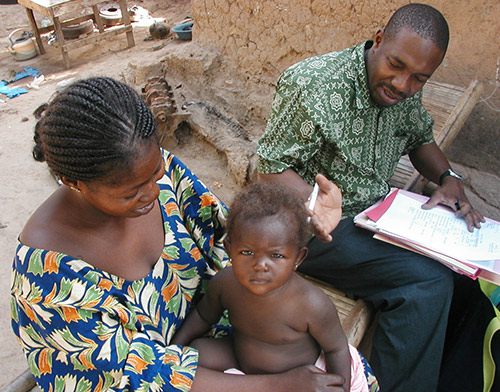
261, 200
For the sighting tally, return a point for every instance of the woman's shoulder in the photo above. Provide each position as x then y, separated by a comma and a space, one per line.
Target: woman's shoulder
47, 227
39, 243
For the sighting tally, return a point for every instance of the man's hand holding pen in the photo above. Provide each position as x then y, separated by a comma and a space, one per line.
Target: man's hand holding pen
325, 208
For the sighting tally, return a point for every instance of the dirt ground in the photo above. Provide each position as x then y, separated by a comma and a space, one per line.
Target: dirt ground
24, 183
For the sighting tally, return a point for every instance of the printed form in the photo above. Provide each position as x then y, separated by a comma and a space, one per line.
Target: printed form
439, 229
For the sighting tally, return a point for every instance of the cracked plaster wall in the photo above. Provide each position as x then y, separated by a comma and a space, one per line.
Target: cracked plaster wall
265, 37
262, 38
257, 40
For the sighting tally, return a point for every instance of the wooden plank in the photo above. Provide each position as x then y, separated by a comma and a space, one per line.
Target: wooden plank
98, 19
69, 22
449, 106
459, 115
35, 6
126, 22
35, 29
357, 323
63, 8
73, 44
61, 41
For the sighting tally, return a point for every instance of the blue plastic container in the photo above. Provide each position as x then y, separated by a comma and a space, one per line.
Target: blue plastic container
183, 30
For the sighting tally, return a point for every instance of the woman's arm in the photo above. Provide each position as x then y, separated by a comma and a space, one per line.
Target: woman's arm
203, 214
79, 333
302, 379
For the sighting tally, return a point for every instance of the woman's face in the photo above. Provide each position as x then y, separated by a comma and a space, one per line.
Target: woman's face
135, 194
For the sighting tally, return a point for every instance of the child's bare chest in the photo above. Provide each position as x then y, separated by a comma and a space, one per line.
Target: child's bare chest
276, 322
272, 341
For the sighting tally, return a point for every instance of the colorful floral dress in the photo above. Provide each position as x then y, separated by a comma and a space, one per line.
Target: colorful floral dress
83, 329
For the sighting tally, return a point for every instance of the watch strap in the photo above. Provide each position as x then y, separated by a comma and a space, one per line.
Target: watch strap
451, 173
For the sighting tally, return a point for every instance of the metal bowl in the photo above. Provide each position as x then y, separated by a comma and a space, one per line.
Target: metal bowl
75, 30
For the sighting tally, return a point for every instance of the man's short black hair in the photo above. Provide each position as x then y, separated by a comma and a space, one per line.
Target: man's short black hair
422, 19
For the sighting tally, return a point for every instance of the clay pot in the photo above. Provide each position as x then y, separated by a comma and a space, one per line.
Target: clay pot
159, 30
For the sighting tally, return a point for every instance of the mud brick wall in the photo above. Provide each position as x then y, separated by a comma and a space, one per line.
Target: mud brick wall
265, 37
262, 38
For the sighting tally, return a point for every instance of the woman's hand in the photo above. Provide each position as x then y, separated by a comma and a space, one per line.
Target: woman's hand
302, 379
328, 209
310, 378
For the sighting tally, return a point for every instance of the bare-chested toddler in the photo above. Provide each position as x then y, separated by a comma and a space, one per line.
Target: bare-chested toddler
280, 321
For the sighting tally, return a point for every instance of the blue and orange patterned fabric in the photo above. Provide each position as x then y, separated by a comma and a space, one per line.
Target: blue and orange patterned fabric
83, 329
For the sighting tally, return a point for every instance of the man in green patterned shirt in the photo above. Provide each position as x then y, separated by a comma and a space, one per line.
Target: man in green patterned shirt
350, 115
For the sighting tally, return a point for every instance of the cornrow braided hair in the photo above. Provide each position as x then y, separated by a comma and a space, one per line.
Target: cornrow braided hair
261, 200
92, 126
422, 19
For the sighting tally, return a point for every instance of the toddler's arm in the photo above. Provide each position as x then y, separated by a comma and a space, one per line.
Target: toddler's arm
326, 329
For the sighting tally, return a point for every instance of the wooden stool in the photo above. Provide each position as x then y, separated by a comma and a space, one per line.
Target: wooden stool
68, 12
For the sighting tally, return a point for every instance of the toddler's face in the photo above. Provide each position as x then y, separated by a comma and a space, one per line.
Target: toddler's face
264, 253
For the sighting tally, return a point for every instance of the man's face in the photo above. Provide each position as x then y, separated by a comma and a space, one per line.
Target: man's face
399, 66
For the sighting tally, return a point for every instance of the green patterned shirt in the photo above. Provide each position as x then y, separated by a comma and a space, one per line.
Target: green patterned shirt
323, 121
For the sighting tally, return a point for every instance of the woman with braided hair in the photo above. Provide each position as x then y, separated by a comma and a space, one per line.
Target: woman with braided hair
109, 265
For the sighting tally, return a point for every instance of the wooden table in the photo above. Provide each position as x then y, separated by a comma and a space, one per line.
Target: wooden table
68, 12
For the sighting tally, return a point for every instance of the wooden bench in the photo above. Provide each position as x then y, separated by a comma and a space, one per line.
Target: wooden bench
355, 315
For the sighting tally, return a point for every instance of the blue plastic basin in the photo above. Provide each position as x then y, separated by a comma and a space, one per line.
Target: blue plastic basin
183, 30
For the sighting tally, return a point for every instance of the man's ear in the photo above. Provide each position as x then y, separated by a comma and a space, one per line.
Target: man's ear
300, 257
379, 37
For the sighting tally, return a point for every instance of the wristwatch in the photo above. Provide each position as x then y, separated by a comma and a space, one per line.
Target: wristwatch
447, 173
